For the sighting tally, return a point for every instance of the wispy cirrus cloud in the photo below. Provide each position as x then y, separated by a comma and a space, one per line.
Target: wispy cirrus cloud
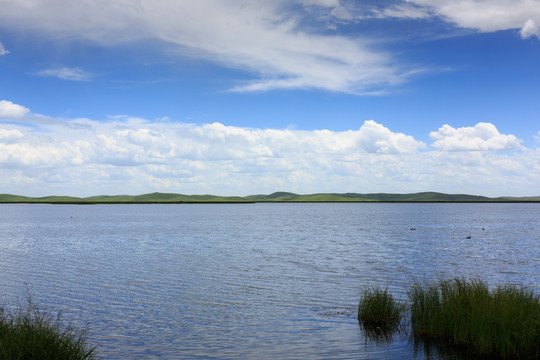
269, 40
402, 11
266, 39
3, 50
66, 73
531, 28
482, 15
488, 15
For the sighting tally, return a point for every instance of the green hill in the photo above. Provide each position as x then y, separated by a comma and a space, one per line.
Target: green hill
172, 198
348, 197
157, 197
524, 198
8, 198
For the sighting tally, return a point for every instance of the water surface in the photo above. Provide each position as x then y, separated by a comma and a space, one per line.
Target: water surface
250, 280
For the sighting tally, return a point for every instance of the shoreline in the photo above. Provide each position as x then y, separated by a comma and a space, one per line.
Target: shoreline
277, 202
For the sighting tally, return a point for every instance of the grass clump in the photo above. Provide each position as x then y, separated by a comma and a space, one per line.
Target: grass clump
378, 311
503, 323
27, 333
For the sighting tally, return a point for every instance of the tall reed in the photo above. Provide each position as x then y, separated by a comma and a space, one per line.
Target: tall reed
29, 334
379, 310
504, 322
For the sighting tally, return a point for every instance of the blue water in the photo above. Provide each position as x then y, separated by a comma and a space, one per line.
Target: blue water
250, 281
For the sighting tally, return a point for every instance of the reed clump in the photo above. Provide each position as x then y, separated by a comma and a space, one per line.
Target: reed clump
378, 311
503, 323
27, 333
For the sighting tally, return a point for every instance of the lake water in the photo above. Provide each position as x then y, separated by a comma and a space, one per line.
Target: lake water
250, 281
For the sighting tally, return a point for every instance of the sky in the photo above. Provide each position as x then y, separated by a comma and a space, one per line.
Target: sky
240, 97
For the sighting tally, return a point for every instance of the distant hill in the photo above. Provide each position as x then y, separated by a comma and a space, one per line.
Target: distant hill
171, 198
7, 198
348, 197
524, 198
162, 198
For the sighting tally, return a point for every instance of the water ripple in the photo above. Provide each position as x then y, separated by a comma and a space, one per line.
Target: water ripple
244, 281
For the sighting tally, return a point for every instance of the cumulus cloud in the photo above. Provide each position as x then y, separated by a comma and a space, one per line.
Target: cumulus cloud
137, 142
375, 138
481, 137
267, 39
208, 157
3, 50
9, 109
133, 155
488, 15
65, 73
10, 135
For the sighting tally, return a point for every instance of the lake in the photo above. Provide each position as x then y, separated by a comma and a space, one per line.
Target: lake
244, 281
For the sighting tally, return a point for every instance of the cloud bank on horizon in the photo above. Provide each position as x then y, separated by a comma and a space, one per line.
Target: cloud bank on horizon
342, 47
131, 155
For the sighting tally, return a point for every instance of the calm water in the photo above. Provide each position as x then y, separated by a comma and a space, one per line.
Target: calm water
250, 281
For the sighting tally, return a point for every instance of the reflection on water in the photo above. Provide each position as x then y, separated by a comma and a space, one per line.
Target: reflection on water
380, 336
429, 348
251, 280
423, 347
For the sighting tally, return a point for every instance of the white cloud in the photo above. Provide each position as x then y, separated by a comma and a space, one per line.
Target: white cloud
481, 137
375, 138
266, 38
403, 11
530, 29
334, 8
3, 50
65, 73
9, 109
323, 3
132, 155
488, 15
136, 142
10, 135
482, 15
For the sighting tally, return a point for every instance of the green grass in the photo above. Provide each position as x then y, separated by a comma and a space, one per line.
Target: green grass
379, 312
503, 323
27, 333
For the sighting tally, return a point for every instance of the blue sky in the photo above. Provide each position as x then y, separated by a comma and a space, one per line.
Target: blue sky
243, 97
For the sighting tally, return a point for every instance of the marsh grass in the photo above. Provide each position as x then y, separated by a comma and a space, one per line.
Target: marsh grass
28, 333
379, 313
503, 323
